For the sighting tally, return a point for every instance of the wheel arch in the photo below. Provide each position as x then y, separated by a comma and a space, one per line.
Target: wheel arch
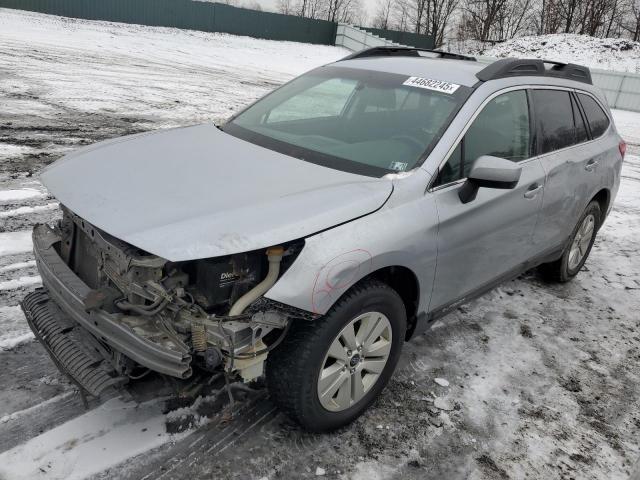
603, 197
404, 282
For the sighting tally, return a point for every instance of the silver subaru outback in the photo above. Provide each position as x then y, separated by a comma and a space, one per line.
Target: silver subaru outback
310, 236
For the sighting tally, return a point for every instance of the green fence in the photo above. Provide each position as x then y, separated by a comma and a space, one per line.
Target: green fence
404, 38
194, 15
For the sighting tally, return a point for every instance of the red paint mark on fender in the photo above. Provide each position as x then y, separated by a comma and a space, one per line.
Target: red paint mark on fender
327, 288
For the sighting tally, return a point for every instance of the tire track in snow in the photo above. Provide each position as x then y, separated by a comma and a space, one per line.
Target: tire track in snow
111, 433
26, 210
31, 410
20, 282
18, 266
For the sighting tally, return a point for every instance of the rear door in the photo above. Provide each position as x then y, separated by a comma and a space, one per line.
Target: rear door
565, 154
480, 241
599, 156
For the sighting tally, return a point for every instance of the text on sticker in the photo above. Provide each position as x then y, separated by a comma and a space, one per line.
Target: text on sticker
429, 84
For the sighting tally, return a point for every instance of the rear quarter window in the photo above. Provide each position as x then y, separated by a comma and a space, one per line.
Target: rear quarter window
597, 119
582, 134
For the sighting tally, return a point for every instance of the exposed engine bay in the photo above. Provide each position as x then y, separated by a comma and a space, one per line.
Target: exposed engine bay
211, 309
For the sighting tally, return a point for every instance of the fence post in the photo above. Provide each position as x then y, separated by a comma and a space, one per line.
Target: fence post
615, 102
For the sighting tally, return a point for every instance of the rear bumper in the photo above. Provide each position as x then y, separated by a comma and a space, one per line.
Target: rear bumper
68, 292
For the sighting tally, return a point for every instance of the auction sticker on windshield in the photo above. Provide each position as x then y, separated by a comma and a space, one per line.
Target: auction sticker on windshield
430, 84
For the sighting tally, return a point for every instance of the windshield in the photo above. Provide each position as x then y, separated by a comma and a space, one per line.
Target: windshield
359, 121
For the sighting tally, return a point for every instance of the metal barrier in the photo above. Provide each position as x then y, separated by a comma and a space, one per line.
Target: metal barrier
188, 14
621, 89
403, 38
354, 38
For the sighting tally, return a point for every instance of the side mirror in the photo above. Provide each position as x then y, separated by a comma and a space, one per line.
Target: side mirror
489, 172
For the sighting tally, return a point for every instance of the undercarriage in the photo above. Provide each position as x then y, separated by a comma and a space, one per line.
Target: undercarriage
110, 312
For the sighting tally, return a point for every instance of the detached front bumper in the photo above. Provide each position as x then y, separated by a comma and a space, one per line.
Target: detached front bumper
67, 291
69, 347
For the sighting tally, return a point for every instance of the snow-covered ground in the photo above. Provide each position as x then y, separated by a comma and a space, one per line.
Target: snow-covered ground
531, 381
129, 77
604, 53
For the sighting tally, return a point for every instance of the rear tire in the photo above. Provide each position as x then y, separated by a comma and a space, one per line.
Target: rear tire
327, 354
578, 247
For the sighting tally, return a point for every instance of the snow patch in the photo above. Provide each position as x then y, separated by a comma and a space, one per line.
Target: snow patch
628, 125
10, 150
18, 266
20, 282
88, 444
15, 242
13, 342
604, 53
371, 470
25, 210
19, 194
441, 381
28, 411
14, 329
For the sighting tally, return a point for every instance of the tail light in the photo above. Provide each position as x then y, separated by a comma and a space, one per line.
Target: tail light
622, 146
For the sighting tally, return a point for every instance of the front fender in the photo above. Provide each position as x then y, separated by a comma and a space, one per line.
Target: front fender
333, 261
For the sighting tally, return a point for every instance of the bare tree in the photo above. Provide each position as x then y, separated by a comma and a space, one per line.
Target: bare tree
439, 16
546, 17
285, 6
482, 17
489, 21
345, 11
631, 21
382, 16
401, 14
254, 5
427, 17
513, 19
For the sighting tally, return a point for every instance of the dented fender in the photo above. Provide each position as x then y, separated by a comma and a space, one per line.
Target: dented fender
402, 233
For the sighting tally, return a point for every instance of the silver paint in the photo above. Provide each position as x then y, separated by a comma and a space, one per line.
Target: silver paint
197, 192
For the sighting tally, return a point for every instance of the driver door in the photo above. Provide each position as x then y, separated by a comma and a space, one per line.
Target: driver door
488, 238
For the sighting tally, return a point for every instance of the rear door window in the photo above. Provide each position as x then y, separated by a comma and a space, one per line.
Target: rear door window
598, 120
554, 118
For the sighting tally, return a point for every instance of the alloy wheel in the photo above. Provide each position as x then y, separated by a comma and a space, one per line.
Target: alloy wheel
354, 361
581, 242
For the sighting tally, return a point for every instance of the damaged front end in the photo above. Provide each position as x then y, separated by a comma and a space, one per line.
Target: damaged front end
110, 312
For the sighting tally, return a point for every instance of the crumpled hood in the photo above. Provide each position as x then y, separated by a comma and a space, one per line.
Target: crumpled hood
197, 192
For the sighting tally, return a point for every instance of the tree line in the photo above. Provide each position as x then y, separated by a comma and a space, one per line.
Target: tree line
342, 11
487, 21
499, 20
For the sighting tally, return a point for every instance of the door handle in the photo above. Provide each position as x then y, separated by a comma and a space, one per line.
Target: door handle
591, 165
533, 190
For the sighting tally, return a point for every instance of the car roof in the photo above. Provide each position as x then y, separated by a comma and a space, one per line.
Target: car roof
462, 72
461, 69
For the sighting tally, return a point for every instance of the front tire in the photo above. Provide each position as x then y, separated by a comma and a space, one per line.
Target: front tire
327, 372
578, 248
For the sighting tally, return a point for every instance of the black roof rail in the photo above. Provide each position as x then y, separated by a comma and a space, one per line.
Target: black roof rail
405, 52
514, 67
